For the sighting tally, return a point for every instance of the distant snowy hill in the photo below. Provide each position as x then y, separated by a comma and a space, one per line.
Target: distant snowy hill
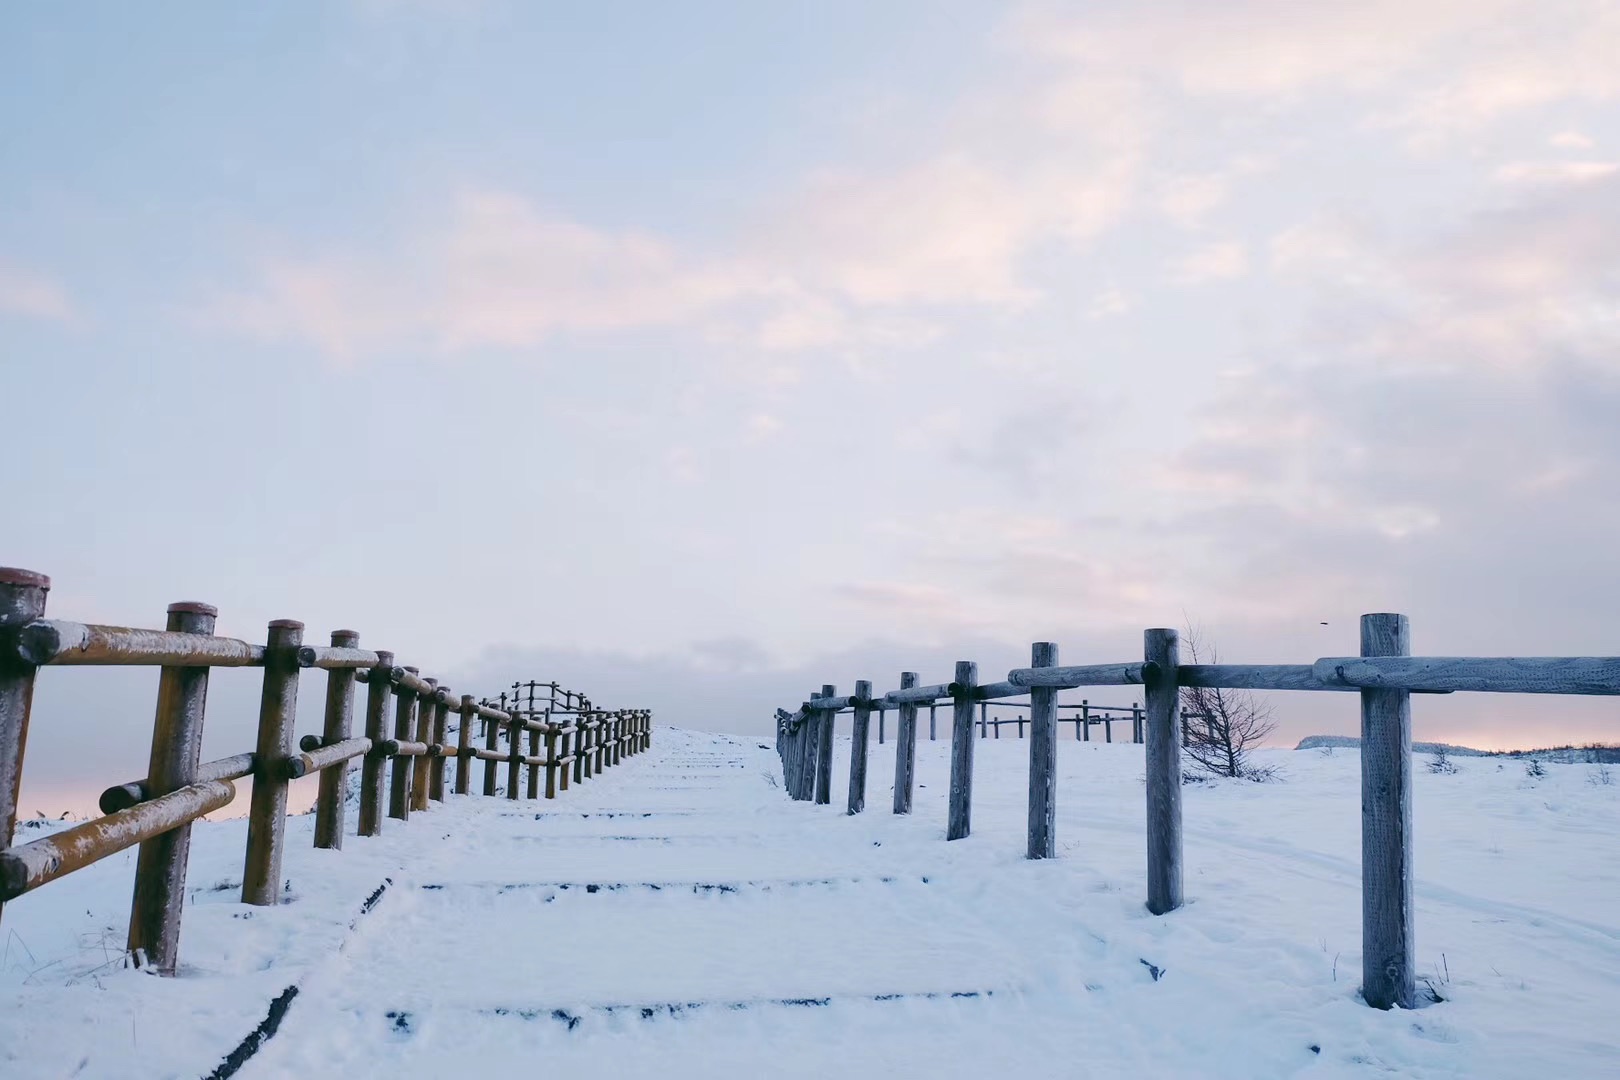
1574, 755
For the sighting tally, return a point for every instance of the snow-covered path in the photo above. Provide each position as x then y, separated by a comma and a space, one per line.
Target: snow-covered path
680, 917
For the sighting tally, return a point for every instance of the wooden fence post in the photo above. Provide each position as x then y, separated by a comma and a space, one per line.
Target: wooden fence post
464, 758
534, 769
267, 814
809, 746
1042, 757
441, 737
582, 743
824, 744
337, 725
857, 746
492, 736
961, 809
905, 748
1163, 757
1388, 976
551, 757
399, 779
514, 760
372, 766
22, 600
1085, 721
422, 765
933, 730
160, 868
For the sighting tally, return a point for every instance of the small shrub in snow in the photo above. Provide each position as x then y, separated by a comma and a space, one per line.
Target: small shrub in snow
1534, 768
1441, 762
1222, 727
1600, 775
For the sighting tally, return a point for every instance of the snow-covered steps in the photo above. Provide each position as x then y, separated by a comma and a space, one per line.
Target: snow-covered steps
723, 930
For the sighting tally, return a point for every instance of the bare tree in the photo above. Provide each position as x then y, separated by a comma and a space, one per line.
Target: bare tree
1223, 726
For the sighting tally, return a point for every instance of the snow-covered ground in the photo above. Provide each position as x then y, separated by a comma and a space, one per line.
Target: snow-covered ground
680, 917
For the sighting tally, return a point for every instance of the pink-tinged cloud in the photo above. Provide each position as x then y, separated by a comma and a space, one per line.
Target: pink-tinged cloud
33, 295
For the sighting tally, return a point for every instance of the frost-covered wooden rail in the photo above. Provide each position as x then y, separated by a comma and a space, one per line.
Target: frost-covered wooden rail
402, 768
1385, 675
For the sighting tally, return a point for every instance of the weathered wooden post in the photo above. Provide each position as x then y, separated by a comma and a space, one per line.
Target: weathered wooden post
534, 767
857, 746
1388, 975
1085, 721
464, 757
1163, 757
824, 745
378, 687
160, 868
514, 761
905, 748
551, 757
422, 765
810, 749
22, 600
961, 808
441, 736
492, 735
399, 780
570, 750
582, 743
1042, 757
933, 730
267, 813
337, 725
984, 716
1136, 723
602, 731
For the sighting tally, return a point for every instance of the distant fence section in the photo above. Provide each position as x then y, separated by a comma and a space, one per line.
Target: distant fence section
402, 765
1385, 676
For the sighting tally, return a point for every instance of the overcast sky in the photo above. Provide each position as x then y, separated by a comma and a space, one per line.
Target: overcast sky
698, 354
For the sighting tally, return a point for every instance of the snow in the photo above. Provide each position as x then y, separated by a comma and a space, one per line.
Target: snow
680, 917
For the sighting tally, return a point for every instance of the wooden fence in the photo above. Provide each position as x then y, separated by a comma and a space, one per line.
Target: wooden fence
1385, 675
156, 812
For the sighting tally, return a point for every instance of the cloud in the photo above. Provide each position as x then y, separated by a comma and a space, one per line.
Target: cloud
1572, 140
1548, 173
1214, 262
31, 294
1430, 69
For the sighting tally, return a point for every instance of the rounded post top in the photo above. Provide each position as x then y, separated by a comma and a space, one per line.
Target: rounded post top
908, 679
286, 624
345, 639
1043, 654
1385, 633
192, 607
385, 659
29, 579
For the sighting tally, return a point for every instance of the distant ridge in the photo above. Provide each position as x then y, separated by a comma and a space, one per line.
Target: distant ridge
1569, 754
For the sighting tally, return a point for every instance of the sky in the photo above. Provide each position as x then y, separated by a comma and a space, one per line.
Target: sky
697, 355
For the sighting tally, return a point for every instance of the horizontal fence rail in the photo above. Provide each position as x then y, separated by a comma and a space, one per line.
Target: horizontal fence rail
548, 730
1385, 676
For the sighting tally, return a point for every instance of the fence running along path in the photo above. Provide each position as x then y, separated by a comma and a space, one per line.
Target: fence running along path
1385, 675
579, 741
